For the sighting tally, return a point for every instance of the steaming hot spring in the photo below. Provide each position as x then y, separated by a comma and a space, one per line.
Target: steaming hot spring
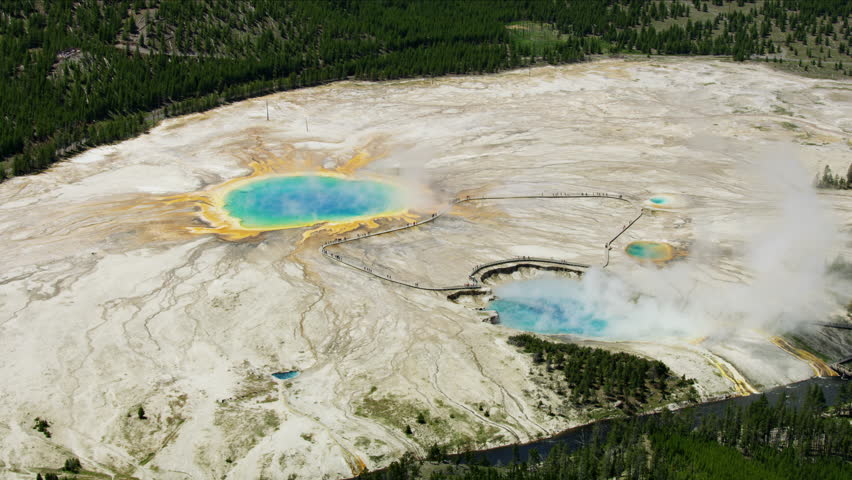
550, 306
597, 305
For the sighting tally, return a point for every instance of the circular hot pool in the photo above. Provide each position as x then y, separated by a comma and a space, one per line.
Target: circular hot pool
293, 201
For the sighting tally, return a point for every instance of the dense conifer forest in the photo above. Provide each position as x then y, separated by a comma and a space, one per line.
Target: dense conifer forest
77, 74
761, 441
593, 377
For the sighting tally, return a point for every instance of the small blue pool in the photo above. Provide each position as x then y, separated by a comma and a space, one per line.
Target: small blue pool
550, 306
286, 375
657, 251
659, 200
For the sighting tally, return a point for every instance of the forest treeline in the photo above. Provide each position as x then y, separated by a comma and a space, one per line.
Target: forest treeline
593, 377
81, 73
830, 180
762, 441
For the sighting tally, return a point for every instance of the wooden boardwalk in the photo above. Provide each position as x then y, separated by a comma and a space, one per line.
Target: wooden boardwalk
843, 367
846, 326
474, 278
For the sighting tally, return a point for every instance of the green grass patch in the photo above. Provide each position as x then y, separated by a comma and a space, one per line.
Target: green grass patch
534, 34
778, 109
390, 409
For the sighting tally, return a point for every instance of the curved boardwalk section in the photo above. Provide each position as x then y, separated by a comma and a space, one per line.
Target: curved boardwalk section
474, 278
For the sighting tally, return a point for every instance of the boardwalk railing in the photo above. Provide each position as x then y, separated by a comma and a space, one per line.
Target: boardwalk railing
474, 283
847, 326
842, 368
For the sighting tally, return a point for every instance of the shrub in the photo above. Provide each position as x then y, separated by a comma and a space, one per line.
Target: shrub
72, 465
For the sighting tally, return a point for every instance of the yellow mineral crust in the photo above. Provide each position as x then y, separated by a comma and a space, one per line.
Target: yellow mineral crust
210, 203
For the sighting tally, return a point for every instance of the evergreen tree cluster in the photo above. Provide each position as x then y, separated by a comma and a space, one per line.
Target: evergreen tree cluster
72, 465
598, 377
829, 180
757, 442
80, 73
42, 426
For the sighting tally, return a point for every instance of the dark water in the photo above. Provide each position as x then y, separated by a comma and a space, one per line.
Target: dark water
577, 437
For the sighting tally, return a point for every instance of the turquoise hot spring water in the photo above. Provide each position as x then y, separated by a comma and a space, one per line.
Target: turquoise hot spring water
649, 250
290, 201
550, 306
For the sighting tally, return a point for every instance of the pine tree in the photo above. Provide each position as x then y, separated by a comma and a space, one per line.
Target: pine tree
72, 465
827, 180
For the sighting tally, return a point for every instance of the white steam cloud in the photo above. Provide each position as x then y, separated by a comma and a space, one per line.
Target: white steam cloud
784, 264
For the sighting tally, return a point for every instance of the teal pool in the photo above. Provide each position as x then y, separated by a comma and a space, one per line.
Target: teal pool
550, 306
665, 201
650, 250
286, 375
292, 201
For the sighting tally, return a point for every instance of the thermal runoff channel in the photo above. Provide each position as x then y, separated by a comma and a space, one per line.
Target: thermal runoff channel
292, 201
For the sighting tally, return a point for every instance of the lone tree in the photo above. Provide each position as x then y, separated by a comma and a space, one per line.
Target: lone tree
421, 419
42, 426
141, 413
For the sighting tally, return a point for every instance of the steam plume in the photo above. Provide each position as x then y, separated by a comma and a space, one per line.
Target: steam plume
783, 259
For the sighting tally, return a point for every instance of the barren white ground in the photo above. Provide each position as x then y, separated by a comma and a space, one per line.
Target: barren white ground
107, 302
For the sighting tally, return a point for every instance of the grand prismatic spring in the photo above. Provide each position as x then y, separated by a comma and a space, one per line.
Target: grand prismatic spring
303, 200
